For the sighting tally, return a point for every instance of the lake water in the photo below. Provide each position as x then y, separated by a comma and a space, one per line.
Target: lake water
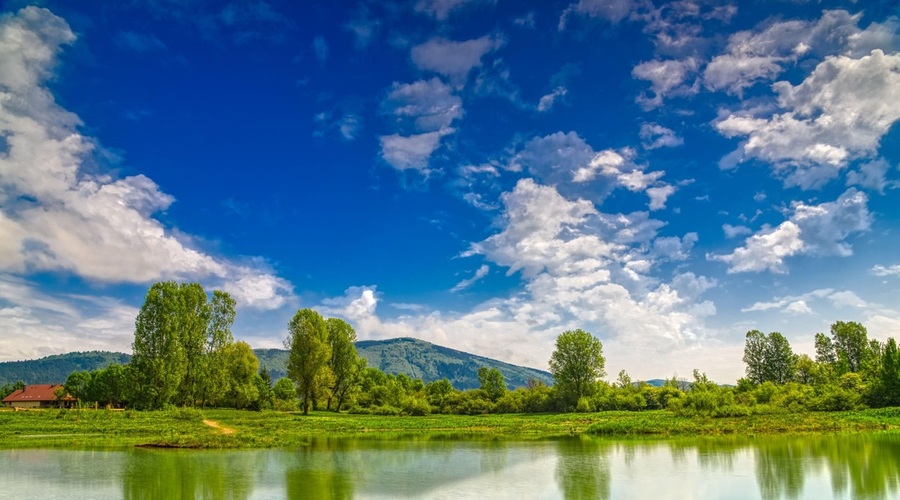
815, 467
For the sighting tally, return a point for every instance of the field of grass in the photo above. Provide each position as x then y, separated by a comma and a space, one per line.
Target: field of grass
246, 429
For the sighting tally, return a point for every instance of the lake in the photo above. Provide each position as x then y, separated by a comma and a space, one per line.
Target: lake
454, 467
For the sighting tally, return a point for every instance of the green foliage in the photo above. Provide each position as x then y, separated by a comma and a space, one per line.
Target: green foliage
179, 336
577, 364
345, 363
769, 358
492, 382
310, 353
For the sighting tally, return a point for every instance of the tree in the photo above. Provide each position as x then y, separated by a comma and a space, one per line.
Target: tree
577, 364
492, 383
887, 392
309, 354
178, 335
284, 390
242, 365
344, 363
851, 344
159, 361
769, 358
78, 384
848, 349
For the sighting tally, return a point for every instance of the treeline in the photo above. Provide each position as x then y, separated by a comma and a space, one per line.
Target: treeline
185, 355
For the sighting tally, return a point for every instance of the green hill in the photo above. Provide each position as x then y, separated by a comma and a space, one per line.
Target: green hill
415, 358
54, 369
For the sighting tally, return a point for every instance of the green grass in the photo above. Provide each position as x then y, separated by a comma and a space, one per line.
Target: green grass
185, 428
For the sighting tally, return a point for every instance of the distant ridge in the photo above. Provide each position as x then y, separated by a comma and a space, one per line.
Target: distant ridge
54, 369
413, 357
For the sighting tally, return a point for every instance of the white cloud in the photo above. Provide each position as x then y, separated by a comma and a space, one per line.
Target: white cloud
567, 162
547, 101
668, 78
441, 9
480, 273
735, 231
610, 10
797, 307
838, 113
871, 175
880, 270
818, 230
581, 269
411, 152
37, 325
761, 55
57, 215
800, 304
453, 59
654, 136
431, 104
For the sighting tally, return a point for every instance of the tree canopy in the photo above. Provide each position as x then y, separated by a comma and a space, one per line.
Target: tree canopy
577, 364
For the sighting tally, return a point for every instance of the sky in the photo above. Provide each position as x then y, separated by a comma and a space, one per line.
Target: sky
480, 174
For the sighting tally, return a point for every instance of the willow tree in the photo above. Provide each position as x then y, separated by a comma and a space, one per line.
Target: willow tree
310, 353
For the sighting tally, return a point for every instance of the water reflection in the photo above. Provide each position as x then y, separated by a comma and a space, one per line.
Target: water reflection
854, 465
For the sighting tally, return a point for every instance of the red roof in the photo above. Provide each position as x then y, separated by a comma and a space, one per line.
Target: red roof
36, 392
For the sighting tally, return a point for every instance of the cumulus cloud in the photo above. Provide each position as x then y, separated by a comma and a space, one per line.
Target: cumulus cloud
568, 162
430, 104
59, 216
581, 269
761, 55
880, 270
818, 230
453, 59
838, 113
735, 231
411, 152
668, 78
654, 136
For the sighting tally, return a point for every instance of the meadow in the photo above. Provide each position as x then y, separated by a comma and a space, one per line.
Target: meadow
228, 428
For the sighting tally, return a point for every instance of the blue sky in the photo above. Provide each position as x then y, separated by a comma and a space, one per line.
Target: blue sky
478, 174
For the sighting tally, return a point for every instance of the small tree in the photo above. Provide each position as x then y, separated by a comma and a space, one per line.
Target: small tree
577, 364
492, 382
769, 358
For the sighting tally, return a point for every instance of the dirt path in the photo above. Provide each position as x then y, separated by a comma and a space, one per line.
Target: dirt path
218, 427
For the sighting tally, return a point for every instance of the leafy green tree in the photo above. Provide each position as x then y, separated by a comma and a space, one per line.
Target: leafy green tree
213, 367
492, 383
769, 358
177, 334
284, 390
851, 344
78, 384
242, 364
577, 364
848, 349
887, 391
159, 361
309, 354
344, 363
109, 384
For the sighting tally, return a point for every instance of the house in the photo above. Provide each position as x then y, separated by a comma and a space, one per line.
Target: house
38, 396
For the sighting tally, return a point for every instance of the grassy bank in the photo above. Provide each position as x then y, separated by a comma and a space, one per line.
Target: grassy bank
245, 429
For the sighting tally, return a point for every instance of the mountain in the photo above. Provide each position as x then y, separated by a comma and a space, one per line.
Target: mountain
54, 369
419, 359
415, 358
